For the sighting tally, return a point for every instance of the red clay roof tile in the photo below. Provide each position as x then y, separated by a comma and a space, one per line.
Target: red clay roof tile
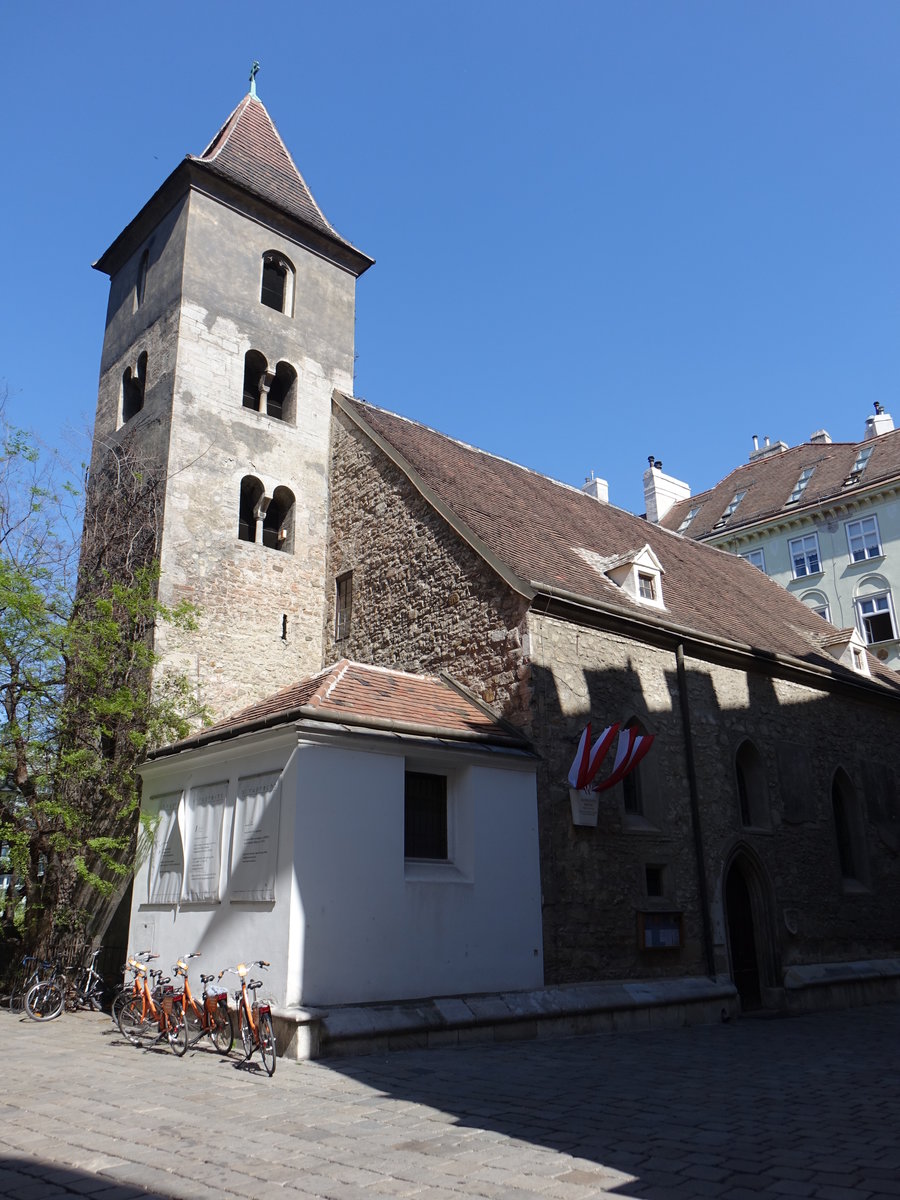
376, 696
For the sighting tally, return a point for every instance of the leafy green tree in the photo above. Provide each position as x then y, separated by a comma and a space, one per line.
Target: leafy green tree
81, 701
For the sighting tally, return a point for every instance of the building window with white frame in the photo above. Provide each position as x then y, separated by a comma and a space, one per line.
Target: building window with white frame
863, 539
756, 558
876, 618
647, 586
800, 486
804, 553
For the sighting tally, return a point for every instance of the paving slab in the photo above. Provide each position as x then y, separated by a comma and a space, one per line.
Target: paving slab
804, 1106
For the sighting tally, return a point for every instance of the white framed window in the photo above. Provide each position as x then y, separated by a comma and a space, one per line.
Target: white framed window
804, 552
692, 512
800, 486
818, 603
859, 465
863, 539
756, 558
647, 586
876, 618
731, 507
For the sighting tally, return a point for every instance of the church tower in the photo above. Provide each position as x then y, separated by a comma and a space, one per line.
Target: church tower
230, 322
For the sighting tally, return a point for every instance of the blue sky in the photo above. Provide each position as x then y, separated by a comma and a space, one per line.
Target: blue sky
602, 230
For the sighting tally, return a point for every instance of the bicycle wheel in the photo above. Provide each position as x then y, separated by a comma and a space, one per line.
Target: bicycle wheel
177, 1031
133, 1022
194, 1022
44, 1001
120, 999
267, 1043
20, 986
246, 1033
222, 1031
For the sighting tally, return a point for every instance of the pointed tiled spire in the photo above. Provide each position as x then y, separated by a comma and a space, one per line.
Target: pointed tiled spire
249, 152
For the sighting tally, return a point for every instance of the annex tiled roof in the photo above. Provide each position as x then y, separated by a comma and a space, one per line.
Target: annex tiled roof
769, 482
553, 537
377, 697
249, 152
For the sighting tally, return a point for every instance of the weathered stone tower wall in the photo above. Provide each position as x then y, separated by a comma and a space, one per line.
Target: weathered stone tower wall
185, 311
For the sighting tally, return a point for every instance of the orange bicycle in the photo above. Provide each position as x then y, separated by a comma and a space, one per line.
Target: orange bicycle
255, 1020
128, 991
211, 1017
157, 1012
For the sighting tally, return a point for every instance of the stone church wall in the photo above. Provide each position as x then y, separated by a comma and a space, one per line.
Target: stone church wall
424, 601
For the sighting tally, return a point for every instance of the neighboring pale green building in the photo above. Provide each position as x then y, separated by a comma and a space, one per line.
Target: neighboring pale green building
822, 519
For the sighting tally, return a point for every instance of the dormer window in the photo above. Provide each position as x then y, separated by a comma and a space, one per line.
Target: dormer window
647, 586
277, 288
847, 647
800, 486
732, 505
859, 465
692, 512
639, 574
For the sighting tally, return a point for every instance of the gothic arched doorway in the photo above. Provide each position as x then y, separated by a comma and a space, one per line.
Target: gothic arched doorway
746, 921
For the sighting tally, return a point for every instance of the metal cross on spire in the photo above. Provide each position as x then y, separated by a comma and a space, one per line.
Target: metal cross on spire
253, 73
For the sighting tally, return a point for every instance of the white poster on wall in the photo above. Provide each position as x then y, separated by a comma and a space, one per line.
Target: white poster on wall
205, 816
254, 845
167, 858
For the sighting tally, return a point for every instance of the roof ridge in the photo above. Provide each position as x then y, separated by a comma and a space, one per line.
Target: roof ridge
561, 483
281, 142
330, 677
219, 139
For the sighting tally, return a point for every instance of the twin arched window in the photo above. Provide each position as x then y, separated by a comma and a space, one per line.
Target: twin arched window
271, 392
266, 519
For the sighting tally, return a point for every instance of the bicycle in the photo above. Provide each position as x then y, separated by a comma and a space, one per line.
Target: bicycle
129, 990
32, 970
211, 1017
137, 1017
255, 1020
46, 999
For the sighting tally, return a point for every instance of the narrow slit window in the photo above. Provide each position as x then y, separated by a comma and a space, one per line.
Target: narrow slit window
343, 606
140, 283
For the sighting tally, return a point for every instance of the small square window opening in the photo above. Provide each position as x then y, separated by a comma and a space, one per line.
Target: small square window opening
654, 880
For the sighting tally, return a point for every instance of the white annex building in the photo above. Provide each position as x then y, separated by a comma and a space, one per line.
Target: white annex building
303, 832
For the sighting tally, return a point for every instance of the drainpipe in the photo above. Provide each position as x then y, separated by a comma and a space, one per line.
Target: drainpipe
695, 810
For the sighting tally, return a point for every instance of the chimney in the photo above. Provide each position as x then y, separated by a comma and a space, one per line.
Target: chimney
598, 488
882, 422
821, 437
661, 491
766, 449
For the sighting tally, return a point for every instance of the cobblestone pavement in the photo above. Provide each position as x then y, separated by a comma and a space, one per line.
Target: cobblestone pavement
807, 1106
